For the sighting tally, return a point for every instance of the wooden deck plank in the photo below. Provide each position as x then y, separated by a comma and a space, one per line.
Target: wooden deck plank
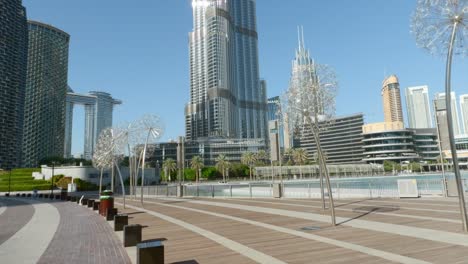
183, 245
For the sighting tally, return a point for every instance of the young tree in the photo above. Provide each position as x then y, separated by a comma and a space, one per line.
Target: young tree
249, 159
197, 164
300, 158
288, 156
222, 164
261, 157
169, 166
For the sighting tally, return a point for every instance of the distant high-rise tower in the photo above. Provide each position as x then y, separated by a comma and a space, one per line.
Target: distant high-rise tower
392, 100
440, 100
13, 64
418, 107
46, 91
99, 108
464, 112
226, 96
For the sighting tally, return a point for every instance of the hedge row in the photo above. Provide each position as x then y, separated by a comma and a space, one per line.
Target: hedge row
25, 187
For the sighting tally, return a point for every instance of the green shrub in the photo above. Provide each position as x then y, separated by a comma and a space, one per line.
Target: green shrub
85, 186
239, 170
25, 187
26, 171
189, 174
210, 173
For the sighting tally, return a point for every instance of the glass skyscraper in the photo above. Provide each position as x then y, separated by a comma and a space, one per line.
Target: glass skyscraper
227, 99
440, 100
418, 107
13, 63
392, 100
46, 90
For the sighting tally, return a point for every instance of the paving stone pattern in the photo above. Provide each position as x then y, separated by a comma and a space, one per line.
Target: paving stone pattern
16, 215
83, 237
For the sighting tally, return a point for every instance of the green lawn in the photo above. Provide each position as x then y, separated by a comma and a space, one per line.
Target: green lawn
22, 180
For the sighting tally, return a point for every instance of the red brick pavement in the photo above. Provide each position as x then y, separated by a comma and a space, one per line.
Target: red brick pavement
83, 237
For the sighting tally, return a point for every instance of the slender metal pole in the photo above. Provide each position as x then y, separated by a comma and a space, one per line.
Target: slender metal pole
444, 177
100, 181
52, 180
112, 178
9, 183
453, 149
121, 181
143, 164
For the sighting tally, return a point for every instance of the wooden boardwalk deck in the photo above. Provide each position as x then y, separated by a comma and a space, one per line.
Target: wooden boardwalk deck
272, 230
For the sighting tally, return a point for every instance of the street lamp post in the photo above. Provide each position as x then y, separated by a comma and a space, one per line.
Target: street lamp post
9, 183
52, 181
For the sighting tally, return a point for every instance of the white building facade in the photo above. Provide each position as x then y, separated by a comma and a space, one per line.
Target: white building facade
418, 107
464, 112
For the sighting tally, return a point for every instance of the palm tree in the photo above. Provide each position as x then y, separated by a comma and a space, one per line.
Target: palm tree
261, 157
288, 154
197, 164
222, 164
249, 159
169, 166
300, 157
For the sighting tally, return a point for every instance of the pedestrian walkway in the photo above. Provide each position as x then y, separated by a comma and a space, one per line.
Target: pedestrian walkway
45, 231
298, 231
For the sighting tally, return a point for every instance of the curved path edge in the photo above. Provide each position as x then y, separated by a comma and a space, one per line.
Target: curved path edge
31, 241
2, 208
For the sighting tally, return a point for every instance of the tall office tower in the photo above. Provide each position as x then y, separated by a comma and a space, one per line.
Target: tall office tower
99, 107
440, 101
46, 91
392, 100
418, 107
303, 68
464, 112
13, 64
227, 99
275, 114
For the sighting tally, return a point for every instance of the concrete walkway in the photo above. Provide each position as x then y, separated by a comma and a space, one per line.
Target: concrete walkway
49, 231
29, 243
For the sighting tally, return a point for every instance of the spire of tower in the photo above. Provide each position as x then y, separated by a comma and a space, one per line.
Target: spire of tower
302, 35
299, 38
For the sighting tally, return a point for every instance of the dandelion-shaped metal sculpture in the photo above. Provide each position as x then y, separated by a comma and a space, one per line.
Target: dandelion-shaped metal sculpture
108, 153
310, 104
102, 158
441, 27
154, 128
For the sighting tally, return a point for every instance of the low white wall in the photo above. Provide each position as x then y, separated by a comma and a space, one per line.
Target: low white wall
91, 174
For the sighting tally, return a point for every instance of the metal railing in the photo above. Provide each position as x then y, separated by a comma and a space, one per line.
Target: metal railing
342, 189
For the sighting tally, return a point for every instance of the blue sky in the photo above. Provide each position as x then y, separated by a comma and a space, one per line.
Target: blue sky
138, 52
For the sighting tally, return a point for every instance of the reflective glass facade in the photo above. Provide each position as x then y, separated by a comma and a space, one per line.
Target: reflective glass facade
341, 140
226, 96
46, 90
13, 63
418, 107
